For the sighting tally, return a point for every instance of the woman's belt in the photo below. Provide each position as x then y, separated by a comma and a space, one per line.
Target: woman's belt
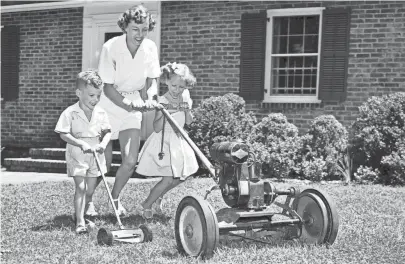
128, 93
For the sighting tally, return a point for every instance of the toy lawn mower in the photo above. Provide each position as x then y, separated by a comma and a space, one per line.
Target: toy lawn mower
309, 216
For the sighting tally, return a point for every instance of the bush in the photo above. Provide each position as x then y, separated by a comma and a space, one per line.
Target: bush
378, 133
393, 166
379, 127
276, 143
366, 175
323, 146
221, 118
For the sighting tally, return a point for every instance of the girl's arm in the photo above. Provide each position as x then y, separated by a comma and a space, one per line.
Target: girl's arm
158, 121
116, 97
68, 138
189, 116
151, 85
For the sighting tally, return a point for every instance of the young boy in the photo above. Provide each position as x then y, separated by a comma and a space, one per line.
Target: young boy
85, 128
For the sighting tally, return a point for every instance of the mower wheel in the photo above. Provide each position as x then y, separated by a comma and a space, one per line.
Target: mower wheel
320, 219
105, 237
196, 228
333, 216
147, 233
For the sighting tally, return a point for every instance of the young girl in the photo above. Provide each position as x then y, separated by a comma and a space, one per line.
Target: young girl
85, 128
178, 161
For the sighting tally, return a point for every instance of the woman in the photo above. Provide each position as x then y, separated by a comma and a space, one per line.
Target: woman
126, 64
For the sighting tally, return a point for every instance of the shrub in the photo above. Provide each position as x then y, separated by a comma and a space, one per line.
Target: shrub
393, 166
380, 125
379, 133
276, 143
221, 118
366, 175
314, 169
326, 140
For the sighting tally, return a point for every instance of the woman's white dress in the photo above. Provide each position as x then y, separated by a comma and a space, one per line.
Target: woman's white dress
128, 75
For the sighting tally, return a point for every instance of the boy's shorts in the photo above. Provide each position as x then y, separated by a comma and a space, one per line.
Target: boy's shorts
84, 164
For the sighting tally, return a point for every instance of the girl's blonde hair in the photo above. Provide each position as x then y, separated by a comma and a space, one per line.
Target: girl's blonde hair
179, 69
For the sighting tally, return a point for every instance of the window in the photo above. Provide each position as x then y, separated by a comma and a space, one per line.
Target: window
295, 55
292, 55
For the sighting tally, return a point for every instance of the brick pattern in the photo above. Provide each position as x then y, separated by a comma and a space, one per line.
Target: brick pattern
206, 36
50, 58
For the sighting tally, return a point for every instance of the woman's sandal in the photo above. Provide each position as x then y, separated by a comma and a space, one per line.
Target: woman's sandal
81, 229
145, 213
158, 206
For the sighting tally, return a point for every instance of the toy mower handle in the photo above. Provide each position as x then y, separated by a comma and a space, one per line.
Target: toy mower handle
197, 151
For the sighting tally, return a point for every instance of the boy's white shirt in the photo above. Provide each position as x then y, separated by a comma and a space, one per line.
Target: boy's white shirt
127, 74
74, 121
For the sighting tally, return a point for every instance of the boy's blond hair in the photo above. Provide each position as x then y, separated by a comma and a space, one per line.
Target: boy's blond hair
89, 77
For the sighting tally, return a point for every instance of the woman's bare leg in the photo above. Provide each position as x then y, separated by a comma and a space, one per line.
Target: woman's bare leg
129, 144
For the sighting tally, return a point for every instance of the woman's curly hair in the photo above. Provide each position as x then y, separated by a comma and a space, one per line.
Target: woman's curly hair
171, 69
139, 14
89, 77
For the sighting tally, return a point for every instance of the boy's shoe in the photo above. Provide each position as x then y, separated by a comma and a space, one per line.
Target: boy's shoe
80, 229
90, 210
158, 205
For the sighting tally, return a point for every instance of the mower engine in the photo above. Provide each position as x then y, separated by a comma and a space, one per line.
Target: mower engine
239, 180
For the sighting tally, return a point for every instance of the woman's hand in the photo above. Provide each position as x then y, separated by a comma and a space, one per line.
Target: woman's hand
86, 148
149, 104
99, 148
138, 105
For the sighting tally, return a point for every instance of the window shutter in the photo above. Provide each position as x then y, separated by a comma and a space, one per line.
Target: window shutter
334, 54
252, 55
10, 55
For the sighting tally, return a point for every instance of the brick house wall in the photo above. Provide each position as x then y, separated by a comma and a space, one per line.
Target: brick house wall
50, 58
206, 36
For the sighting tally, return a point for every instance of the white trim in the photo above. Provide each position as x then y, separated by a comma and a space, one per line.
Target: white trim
295, 11
269, 45
44, 6
62, 4
293, 99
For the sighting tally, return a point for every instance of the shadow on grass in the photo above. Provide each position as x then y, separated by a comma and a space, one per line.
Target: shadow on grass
66, 221
132, 220
275, 240
58, 222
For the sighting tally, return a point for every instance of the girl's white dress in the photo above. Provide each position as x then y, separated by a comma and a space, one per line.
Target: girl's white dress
179, 159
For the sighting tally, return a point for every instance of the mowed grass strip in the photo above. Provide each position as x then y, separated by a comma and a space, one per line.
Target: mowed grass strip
36, 227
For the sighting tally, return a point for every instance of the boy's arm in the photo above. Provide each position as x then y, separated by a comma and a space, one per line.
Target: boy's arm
106, 139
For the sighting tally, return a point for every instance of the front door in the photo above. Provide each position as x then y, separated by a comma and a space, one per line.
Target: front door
100, 25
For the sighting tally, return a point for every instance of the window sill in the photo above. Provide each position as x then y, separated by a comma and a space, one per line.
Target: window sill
292, 100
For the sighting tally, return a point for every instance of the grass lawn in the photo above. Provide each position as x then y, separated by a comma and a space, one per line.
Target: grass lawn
36, 227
